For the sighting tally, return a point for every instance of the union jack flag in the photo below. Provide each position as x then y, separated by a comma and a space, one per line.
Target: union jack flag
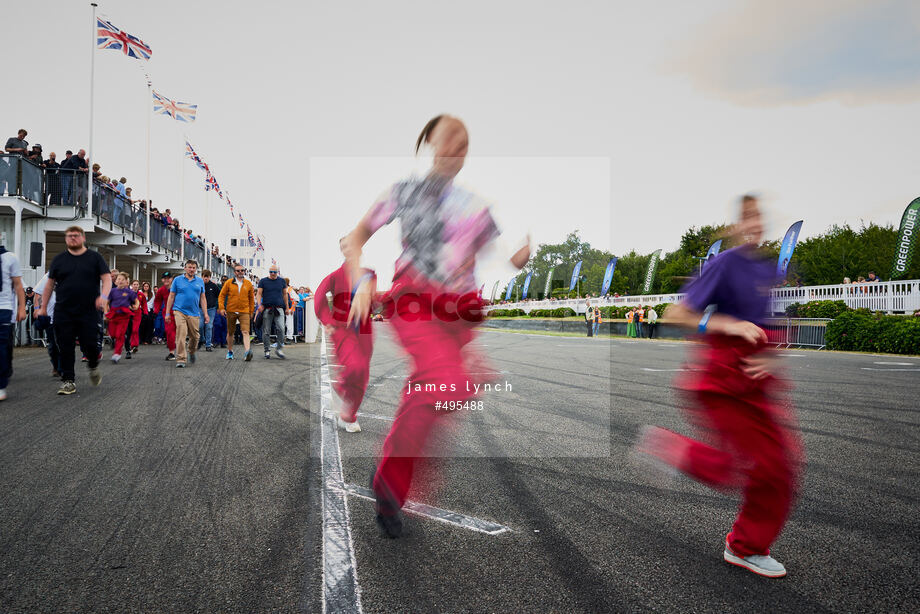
259, 244
180, 111
110, 37
252, 242
241, 221
191, 153
210, 183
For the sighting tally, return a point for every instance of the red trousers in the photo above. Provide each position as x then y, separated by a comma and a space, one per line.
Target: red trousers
435, 349
136, 328
118, 327
170, 327
353, 352
750, 443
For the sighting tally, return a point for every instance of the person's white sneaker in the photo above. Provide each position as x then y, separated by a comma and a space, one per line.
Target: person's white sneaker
2, 394
116, 358
762, 565
350, 427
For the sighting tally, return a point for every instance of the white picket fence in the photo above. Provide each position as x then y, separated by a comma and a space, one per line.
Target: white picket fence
888, 296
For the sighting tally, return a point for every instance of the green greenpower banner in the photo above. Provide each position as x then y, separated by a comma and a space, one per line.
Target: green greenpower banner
907, 240
549, 282
650, 274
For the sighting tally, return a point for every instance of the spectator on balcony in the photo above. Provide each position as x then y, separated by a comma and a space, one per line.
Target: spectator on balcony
167, 218
53, 173
872, 277
18, 144
67, 179
97, 173
35, 156
77, 164
846, 280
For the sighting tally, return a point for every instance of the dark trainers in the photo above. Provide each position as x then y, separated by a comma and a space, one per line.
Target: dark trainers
67, 388
387, 513
268, 355
391, 526
248, 355
95, 376
170, 356
192, 358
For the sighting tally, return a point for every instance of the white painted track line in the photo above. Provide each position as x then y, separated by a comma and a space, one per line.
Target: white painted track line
341, 592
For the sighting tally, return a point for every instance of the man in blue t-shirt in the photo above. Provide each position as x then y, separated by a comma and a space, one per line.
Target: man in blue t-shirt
274, 303
186, 303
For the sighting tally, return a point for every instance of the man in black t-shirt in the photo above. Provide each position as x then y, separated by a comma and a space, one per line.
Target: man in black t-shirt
75, 276
211, 292
273, 304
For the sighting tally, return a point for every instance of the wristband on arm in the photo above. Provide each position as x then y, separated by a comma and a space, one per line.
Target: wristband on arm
701, 328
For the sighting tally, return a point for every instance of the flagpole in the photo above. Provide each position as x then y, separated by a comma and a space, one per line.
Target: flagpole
182, 180
149, 200
92, 90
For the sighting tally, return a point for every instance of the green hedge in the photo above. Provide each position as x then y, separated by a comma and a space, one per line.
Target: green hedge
559, 312
506, 313
817, 309
607, 313
864, 331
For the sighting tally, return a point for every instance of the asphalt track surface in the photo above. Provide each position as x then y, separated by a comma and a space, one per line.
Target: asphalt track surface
200, 490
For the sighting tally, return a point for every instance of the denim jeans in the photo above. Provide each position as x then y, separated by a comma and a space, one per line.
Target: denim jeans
272, 315
209, 327
6, 347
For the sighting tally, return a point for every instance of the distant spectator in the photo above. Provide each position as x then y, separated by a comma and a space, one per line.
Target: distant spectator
652, 322
589, 318
97, 173
18, 144
80, 160
846, 280
53, 174
872, 277
121, 188
35, 156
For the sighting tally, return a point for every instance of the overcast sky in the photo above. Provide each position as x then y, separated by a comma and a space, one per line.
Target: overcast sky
629, 122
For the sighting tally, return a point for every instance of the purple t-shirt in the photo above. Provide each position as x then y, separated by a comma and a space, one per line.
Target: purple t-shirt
737, 282
122, 297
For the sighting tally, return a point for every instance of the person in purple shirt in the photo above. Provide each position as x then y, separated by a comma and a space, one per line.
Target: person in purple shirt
122, 306
732, 396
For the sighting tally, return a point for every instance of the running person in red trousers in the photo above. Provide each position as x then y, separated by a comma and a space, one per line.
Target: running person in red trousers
138, 317
733, 395
442, 227
123, 304
353, 345
159, 308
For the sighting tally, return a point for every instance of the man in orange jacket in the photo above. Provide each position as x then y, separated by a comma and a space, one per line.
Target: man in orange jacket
236, 302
